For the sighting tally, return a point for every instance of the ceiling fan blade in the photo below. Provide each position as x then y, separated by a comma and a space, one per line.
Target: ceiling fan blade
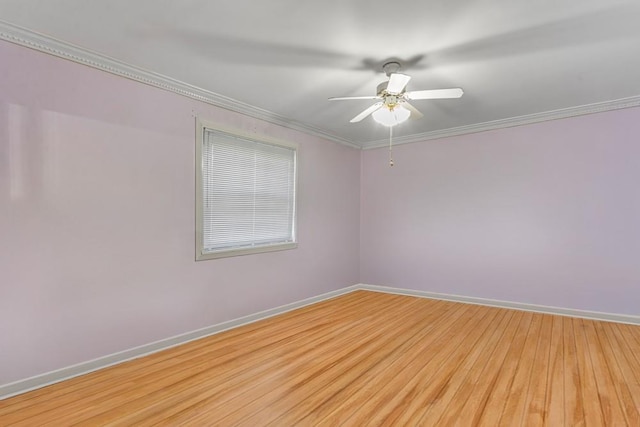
366, 112
435, 94
397, 82
415, 114
343, 98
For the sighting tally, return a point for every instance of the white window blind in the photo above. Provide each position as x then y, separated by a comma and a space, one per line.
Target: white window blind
248, 193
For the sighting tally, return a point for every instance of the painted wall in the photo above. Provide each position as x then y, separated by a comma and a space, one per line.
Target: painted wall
97, 218
542, 214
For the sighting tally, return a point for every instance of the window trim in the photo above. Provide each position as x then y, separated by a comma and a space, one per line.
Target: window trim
201, 125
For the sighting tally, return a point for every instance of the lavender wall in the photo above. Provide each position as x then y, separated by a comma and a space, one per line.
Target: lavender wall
542, 214
97, 218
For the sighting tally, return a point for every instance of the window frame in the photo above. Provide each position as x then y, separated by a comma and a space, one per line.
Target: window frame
201, 255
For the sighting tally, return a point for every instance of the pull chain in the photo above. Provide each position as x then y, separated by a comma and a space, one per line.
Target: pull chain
390, 144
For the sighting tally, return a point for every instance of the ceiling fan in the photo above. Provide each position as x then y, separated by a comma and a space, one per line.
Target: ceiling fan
393, 106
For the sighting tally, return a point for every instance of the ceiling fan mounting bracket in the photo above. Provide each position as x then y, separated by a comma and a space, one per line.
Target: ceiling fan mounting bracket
391, 67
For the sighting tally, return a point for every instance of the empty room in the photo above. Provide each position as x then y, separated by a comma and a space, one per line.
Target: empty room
409, 213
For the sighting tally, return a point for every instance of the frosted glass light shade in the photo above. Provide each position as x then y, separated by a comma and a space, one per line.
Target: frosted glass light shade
391, 117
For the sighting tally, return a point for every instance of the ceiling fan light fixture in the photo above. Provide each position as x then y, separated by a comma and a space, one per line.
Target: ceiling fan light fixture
391, 116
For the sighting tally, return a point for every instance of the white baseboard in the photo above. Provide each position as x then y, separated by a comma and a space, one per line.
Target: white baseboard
593, 315
38, 381
22, 386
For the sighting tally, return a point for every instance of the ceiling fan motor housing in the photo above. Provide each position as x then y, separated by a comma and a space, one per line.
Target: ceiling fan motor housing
381, 90
382, 87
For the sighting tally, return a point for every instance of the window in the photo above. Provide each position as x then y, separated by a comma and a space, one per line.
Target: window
245, 194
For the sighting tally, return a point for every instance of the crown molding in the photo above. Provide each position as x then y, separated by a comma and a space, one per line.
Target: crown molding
43, 43
33, 40
564, 113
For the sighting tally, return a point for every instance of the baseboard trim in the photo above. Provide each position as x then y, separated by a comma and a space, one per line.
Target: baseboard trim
39, 381
42, 380
584, 314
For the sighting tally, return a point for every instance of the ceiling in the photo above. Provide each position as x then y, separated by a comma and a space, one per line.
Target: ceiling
513, 58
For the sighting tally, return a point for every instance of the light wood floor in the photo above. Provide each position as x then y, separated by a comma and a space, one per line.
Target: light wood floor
366, 358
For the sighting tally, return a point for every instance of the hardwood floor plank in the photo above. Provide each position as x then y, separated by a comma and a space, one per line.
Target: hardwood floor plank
498, 394
593, 413
370, 377
609, 399
469, 402
465, 380
627, 361
622, 348
330, 379
573, 398
535, 412
414, 395
554, 395
516, 402
631, 335
345, 364
401, 361
617, 379
430, 396
366, 358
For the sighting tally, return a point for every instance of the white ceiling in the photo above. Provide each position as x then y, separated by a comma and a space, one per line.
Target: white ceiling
512, 57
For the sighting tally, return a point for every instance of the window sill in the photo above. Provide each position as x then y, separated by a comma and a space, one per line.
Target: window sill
200, 256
